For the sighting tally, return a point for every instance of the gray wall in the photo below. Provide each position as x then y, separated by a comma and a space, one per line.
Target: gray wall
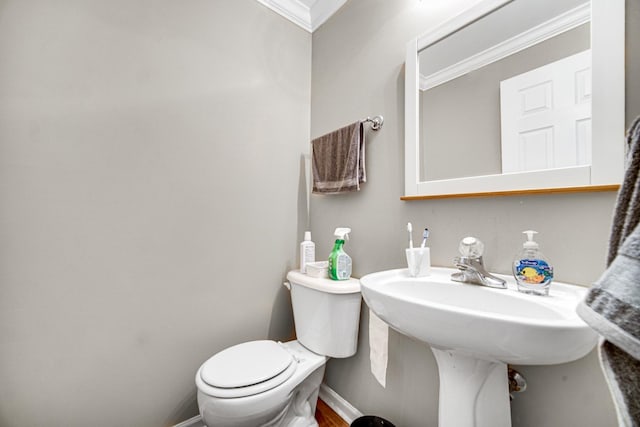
357, 68
149, 181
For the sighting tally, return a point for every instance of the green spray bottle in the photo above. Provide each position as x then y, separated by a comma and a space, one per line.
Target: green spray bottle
339, 261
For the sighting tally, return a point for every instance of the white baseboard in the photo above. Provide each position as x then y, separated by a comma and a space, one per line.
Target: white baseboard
191, 422
340, 406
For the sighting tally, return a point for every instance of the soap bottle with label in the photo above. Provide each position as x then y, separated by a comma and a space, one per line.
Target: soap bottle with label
307, 252
339, 261
532, 270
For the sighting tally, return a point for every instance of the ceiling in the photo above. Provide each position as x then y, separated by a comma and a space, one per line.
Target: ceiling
308, 14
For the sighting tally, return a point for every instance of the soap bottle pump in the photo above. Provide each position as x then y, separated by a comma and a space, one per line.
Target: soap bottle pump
531, 269
339, 261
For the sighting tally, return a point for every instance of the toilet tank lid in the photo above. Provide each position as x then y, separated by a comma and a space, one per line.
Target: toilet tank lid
322, 284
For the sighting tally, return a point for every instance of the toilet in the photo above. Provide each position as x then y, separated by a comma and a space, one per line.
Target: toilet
267, 383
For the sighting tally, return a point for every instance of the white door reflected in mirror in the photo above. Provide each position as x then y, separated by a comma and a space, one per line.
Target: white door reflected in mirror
545, 116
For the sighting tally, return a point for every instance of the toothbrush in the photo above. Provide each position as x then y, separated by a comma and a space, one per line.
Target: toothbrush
411, 259
425, 235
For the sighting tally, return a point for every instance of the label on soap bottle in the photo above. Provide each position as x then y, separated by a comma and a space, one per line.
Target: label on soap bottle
533, 271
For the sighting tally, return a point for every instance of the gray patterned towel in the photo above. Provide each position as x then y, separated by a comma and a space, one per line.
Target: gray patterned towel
338, 160
612, 306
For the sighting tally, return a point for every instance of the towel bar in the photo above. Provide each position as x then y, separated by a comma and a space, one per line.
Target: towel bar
376, 122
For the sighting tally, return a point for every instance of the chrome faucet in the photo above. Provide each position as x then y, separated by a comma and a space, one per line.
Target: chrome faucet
471, 266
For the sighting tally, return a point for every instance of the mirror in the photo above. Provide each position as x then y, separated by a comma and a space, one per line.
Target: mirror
517, 95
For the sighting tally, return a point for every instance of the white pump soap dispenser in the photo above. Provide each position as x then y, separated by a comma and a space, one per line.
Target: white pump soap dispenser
307, 252
531, 269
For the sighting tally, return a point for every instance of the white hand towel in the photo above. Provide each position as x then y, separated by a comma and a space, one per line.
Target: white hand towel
379, 348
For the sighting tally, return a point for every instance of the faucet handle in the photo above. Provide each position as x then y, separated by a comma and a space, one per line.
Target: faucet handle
461, 262
471, 247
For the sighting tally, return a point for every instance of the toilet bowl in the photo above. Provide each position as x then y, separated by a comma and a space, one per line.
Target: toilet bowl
267, 383
282, 399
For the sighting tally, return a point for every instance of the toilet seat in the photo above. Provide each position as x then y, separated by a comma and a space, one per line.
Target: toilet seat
247, 369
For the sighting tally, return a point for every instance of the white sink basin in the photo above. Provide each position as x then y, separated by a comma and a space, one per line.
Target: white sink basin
474, 331
488, 323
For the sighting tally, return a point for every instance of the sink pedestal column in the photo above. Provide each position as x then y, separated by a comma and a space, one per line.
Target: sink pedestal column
473, 392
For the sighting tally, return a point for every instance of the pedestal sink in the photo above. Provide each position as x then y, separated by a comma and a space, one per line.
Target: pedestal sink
475, 331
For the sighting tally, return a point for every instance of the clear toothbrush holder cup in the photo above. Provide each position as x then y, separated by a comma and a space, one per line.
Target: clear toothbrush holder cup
419, 262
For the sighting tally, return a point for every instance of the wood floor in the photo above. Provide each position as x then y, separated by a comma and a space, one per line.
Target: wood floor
327, 418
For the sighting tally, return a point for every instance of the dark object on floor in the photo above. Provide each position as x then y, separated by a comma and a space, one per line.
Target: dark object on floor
371, 421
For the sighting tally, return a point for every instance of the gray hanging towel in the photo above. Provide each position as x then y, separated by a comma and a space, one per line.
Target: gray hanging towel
338, 160
612, 305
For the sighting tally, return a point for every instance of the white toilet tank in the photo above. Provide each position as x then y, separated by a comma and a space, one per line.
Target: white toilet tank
326, 313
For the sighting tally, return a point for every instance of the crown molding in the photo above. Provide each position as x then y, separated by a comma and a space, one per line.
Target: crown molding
551, 28
308, 14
